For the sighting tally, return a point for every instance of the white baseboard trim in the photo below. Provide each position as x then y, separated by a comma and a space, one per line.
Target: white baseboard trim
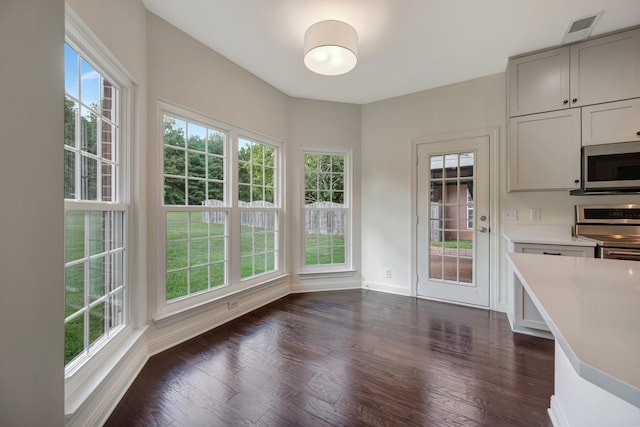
297, 288
191, 327
555, 413
98, 405
389, 288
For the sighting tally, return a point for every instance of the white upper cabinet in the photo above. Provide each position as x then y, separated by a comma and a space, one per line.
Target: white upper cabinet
600, 70
606, 69
611, 122
539, 82
544, 151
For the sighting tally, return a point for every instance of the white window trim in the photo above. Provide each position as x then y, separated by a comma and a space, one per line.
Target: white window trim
82, 378
327, 270
234, 284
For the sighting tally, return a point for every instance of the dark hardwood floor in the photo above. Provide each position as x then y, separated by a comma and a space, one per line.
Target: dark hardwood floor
348, 358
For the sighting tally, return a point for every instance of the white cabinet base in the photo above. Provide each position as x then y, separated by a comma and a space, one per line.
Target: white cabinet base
580, 403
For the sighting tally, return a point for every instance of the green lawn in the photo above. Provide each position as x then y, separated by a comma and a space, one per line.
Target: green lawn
322, 249
191, 239
462, 244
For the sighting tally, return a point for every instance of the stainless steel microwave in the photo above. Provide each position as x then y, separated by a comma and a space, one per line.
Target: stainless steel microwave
611, 167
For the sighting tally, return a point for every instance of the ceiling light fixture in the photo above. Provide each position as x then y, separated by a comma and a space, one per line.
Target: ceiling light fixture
330, 48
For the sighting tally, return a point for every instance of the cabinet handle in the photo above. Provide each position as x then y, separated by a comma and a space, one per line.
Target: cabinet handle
638, 133
574, 100
566, 101
551, 253
576, 181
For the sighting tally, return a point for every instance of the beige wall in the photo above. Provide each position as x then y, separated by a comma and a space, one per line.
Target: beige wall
388, 129
31, 218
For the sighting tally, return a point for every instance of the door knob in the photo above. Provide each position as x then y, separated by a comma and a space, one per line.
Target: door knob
482, 229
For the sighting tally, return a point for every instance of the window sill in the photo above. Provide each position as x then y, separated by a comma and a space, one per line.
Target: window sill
309, 275
166, 319
86, 380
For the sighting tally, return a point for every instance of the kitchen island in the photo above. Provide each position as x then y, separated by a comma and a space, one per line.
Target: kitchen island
592, 307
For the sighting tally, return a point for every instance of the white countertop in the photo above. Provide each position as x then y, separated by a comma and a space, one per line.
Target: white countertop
592, 307
544, 234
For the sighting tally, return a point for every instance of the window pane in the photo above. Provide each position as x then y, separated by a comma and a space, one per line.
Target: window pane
69, 175
74, 338
177, 225
107, 141
90, 85
177, 284
216, 142
96, 233
215, 192
174, 131
108, 99
216, 168
177, 255
174, 191
191, 250
108, 178
197, 165
258, 237
199, 279
89, 131
74, 235
174, 161
199, 252
97, 280
197, 135
74, 288
70, 118
97, 322
217, 274
70, 71
117, 310
89, 178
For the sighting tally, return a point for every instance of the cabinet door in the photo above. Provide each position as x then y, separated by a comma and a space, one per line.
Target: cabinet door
612, 122
544, 151
539, 82
606, 69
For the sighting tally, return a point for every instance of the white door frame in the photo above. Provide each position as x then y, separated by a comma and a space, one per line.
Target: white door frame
494, 193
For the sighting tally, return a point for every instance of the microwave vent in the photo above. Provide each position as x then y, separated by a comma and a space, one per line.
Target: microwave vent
580, 29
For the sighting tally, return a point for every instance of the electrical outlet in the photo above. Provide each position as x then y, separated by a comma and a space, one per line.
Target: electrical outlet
536, 214
510, 215
387, 273
233, 304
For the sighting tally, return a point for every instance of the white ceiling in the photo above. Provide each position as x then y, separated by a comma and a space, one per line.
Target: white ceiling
405, 46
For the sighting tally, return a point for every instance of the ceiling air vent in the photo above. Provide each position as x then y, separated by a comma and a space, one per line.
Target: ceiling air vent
581, 28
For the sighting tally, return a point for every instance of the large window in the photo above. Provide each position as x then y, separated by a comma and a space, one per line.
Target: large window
196, 214
95, 209
214, 240
326, 209
257, 191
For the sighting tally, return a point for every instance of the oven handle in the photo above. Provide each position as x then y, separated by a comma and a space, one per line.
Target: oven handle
634, 254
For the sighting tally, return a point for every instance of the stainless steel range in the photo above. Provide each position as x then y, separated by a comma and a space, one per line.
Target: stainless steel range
616, 228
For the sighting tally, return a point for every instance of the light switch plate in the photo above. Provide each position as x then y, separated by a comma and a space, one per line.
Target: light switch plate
536, 214
510, 215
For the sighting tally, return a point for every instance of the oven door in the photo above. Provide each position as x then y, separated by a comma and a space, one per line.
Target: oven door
621, 253
611, 166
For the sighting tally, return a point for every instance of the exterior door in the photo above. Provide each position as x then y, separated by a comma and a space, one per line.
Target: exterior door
453, 220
